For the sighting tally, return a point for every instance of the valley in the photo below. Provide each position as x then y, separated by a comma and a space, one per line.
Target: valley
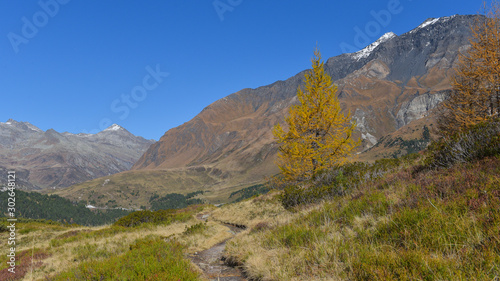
391, 88
207, 200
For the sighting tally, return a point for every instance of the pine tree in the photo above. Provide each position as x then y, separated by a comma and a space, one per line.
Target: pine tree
475, 97
319, 135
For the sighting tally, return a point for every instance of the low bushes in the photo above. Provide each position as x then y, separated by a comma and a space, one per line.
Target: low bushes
476, 143
439, 224
150, 258
339, 181
152, 217
198, 228
174, 201
249, 192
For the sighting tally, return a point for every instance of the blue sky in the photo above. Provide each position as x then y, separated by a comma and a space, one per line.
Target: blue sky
79, 66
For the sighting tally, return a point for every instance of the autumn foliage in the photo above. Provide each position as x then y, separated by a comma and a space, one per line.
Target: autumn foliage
476, 86
319, 134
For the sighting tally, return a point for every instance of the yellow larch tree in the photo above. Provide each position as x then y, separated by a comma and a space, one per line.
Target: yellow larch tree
319, 134
475, 97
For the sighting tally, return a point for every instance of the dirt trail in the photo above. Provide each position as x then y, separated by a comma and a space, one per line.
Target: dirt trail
211, 260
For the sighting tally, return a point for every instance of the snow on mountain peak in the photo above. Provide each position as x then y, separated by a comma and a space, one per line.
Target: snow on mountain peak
428, 22
369, 49
9, 122
431, 21
22, 125
33, 127
113, 127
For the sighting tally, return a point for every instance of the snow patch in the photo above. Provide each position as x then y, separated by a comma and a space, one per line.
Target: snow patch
369, 49
445, 19
427, 23
33, 127
113, 127
432, 21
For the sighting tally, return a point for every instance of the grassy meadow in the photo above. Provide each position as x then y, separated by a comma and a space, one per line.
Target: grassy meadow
427, 216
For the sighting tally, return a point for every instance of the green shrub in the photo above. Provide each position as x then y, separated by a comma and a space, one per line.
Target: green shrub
150, 258
198, 228
476, 143
249, 192
174, 201
340, 181
152, 217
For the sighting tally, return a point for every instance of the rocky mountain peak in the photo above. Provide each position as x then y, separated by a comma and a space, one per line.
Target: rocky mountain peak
369, 49
114, 127
53, 159
431, 21
390, 83
26, 126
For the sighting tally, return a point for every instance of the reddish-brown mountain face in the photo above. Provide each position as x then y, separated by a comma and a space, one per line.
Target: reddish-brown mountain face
390, 88
394, 81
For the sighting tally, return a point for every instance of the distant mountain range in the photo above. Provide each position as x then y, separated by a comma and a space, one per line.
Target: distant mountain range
55, 160
386, 86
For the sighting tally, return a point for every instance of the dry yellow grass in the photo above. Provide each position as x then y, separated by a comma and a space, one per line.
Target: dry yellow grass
264, 261
215, 234
71, 254
275, 263
249, 213
68, 254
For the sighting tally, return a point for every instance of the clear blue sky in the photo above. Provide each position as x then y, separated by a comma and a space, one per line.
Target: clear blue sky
77, 65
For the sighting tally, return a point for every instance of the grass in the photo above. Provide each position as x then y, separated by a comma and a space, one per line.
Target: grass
401, 222
198, 228
249, 213
150, 258
62, 250
427, 225
25, 261
132, 189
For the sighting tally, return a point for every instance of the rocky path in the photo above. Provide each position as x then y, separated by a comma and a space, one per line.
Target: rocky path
212, 263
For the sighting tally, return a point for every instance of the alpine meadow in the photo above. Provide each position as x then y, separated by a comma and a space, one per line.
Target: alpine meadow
242, 159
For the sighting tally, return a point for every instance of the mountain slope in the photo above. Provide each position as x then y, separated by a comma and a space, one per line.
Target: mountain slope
386, 86
56, 160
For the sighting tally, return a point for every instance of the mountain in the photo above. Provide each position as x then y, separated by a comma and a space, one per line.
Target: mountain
55, 160
386, 86
390, 83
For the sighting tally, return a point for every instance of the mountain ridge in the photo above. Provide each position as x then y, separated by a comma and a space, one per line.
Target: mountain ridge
402, 79
57, 160
403, 70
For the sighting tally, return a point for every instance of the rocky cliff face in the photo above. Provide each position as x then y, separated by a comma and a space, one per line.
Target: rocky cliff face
387, 85
418, 107
55, 160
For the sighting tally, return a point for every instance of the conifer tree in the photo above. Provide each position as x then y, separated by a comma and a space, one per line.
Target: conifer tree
475, 97
319, 134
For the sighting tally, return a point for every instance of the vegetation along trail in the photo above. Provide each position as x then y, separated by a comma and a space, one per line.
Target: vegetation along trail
212, 262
